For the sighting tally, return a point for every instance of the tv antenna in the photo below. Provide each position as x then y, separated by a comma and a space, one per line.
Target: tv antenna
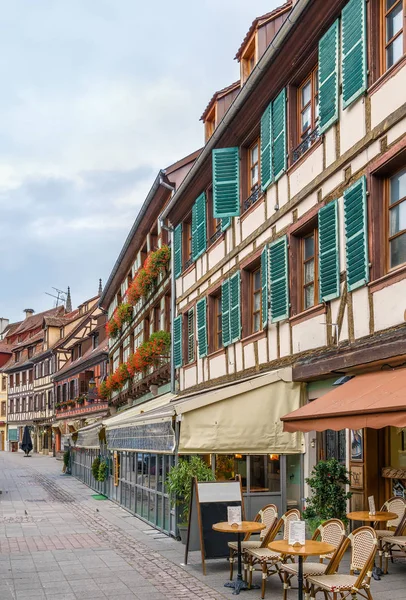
60, 296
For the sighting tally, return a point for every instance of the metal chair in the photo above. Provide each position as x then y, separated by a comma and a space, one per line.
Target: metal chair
396, 505
332, 532
267, 559
364, 545
267, 515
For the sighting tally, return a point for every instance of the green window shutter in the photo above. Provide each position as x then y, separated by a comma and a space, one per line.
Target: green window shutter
264, 285
225, 223
226, 182
279, 135
177, 242
235, 308
266, 148
278, 267
354, 50
328, 77
225, 312
190, 335
201, 311
199, 239
329, 268
356, 237
177, 342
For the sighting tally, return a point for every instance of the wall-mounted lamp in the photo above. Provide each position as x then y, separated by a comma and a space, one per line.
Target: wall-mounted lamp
313, 442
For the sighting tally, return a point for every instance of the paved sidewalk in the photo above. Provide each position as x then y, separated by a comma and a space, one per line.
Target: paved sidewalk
57, 542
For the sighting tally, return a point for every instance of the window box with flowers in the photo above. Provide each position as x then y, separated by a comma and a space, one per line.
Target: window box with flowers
144, 282
81, 400
122, 314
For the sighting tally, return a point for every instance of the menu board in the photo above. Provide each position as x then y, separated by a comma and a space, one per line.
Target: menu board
371, 504
297, 533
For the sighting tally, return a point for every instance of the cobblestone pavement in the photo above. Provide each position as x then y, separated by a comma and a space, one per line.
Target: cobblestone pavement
57, 542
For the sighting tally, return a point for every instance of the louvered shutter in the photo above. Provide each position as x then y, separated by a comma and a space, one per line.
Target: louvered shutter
199, 239
190, 335
225, 223
225, 312
356, 237
266, 148
177, 241
201, 310
329, 269
278, 267
235, 307
226, 182
328, 77
264, 285
177, 341
354, 50
279, 135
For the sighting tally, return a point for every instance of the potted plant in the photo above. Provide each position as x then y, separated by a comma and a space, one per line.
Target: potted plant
179, 484
80, 400
329, 497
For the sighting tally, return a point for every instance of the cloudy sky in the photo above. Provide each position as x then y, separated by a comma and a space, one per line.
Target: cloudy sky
96, 96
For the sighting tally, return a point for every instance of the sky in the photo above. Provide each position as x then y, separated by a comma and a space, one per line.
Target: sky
96, 97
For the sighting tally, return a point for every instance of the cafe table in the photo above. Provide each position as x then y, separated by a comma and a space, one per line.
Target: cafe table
381, 516
309, 548
240, 529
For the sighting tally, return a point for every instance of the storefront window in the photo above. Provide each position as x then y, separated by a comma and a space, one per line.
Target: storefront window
265, 473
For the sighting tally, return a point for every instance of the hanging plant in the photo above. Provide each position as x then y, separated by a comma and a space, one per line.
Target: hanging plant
103, 471
95, 467
103, 391
123, 314
134, 293
158, 261
112, 329
149, 353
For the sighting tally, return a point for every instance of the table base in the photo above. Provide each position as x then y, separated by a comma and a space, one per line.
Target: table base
239, 585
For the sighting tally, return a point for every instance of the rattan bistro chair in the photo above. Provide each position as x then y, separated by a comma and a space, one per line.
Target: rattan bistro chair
396, 505
266, 559
267, 515
364, 545
332, 532
396, 542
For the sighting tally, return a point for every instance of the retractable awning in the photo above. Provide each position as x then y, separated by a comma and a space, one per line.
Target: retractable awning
373, 400
241, 417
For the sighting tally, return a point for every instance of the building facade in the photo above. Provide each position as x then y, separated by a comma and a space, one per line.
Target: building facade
5, 354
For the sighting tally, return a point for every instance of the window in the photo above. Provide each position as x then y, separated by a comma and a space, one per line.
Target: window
72, 389
248, 60
309, 270
4, 383
210, 124
50, 399
30, 351
393, 37
17, 405
253, 168
17, 379
79, 350
24, 377
95, 340
17, 356
11, 381
157, 317
30, 376
255, 291
396, 194
11, 406
3, 409
308, 111
30, 403
214, 225
58, 394
190, 336
216, 326
187, 242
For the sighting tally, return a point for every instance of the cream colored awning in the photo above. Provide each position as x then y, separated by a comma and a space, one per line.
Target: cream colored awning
126, 417
242, 417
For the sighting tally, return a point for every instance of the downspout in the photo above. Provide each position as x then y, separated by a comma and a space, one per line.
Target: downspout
173, 285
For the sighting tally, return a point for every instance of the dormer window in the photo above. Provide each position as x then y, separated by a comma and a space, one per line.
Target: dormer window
248, 60
210, 123
30, 351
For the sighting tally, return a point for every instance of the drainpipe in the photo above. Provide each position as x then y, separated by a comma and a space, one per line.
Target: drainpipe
173, 285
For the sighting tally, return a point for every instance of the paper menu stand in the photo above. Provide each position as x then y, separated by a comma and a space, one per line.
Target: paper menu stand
297, 533
371, 504
234, 515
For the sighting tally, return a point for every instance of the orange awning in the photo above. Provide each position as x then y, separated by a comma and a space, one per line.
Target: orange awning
371, 400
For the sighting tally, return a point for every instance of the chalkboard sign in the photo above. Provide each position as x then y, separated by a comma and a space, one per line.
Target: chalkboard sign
208, 505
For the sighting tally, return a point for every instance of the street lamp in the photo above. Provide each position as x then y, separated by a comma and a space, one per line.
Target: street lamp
91, 394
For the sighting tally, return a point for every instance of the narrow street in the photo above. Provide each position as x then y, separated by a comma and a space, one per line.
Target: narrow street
59, 543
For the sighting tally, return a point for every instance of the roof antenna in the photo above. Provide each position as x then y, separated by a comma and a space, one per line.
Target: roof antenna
60, 296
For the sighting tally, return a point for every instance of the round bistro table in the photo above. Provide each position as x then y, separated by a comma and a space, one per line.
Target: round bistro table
310, 548
381, 516
240, 530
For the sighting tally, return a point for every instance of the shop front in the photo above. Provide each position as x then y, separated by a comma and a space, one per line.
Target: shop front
369, 413
238, 428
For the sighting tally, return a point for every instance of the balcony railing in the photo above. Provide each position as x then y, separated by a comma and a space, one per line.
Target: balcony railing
251, 200
305, 144
215, 236
188, 263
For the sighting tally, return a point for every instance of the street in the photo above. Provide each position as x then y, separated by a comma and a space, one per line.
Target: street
58, 543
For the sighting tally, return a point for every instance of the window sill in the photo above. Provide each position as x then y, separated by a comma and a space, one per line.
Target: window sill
387, 75
215, 353
305, 155
190, 365
390, 278
254, 337
261, 200
314, 311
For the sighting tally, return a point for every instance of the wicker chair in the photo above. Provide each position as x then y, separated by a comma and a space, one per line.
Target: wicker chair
332, 532
363, 549
395, 505
396, 542
266, 559
267, 515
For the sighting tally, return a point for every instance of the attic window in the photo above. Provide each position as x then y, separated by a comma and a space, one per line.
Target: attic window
248, 60
210, 123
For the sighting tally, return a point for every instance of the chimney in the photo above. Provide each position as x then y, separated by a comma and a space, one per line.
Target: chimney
28, 312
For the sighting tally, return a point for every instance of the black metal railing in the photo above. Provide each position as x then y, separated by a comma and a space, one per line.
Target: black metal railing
305, 144
188, 263
215, 236
251, 200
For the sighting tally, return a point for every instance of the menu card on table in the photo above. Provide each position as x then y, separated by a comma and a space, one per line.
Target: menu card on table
371, 503
234, 515
297, 533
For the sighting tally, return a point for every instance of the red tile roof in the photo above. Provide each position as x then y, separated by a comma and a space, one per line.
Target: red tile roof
91, 353
36, 320
5, 348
